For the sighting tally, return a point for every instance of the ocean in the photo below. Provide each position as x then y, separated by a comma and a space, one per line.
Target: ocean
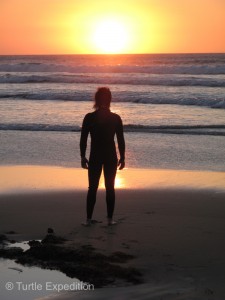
172, 106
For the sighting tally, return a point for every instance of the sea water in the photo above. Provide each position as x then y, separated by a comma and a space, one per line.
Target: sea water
28, 283
172, 106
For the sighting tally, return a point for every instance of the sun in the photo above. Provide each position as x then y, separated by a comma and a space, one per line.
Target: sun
111, 36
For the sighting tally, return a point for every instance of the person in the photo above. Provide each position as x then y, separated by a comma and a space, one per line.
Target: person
102, 125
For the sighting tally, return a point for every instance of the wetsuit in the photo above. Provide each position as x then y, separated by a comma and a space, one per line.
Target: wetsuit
102, 125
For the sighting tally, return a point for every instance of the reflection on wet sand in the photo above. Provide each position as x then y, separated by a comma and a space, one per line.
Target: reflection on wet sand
16, 179
120, 181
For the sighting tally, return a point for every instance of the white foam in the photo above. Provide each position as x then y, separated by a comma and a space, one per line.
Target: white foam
115, 78
149, 69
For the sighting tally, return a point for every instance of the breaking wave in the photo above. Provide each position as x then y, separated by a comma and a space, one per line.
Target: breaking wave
116, 78
217, 130
149, 69
173, 98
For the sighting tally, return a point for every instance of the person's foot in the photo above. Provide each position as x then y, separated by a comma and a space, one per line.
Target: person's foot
111, 222
87, 223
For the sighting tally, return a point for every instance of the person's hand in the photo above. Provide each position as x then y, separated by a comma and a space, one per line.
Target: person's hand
121, 164
84, 163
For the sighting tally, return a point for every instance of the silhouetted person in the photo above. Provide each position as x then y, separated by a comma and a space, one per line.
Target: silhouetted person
102, 125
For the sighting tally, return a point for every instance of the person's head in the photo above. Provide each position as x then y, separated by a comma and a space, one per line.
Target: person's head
103, 98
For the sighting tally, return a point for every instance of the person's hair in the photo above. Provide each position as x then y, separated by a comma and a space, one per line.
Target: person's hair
103, 98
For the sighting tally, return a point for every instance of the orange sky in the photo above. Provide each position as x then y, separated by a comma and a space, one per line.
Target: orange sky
148, 26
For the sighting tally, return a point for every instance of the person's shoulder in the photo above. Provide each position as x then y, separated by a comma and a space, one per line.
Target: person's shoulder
89, 115
88, 118
116, 118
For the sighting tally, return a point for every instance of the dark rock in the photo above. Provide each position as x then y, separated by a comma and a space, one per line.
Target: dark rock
34, 243
12, 241
83, 262
50, 231
3, 238
53, 239
12, 252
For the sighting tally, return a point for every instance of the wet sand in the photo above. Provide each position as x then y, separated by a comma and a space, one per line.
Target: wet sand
171, 221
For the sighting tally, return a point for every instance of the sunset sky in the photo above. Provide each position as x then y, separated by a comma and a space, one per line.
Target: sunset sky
117, 26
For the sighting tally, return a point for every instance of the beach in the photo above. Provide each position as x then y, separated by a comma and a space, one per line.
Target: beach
170, 221
169, 240
131, 93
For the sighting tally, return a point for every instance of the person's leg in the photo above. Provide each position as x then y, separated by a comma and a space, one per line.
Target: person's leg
94, 174
110, 168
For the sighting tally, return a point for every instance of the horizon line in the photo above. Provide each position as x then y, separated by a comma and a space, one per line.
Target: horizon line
112, 54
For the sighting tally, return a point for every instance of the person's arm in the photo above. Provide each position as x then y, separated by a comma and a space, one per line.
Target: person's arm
83, 142
121, 144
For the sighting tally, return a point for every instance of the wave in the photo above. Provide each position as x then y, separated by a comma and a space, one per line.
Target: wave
33, 67
217, 130
107, 78
39, 127
178, 129
156, 98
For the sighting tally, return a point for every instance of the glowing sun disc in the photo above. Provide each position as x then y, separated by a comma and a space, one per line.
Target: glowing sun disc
110, 36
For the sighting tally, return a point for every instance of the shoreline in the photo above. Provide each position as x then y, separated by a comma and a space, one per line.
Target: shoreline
17, 179
174, 231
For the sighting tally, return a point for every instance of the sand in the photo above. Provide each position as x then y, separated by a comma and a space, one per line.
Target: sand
171, 221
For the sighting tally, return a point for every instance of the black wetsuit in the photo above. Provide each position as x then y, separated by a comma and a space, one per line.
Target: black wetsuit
102, 125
